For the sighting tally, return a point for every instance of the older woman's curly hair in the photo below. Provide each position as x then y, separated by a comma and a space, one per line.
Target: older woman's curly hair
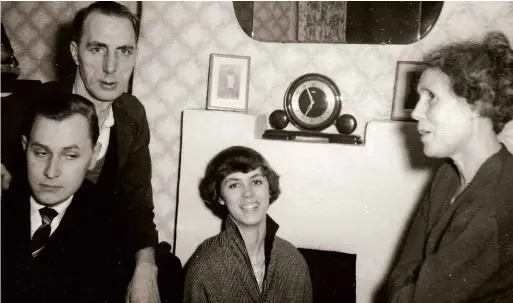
480, 72
231, 160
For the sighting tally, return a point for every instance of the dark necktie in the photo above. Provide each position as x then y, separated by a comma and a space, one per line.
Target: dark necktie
42, 234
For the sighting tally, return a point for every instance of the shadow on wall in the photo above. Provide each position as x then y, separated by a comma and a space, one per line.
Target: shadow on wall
64, 65
417, 160
415, 150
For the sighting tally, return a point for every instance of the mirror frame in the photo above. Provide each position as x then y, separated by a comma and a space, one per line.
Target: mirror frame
430, 11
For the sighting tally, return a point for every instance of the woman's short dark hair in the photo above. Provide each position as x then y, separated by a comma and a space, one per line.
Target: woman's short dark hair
480, 72
109, 8
231, 160
59, 106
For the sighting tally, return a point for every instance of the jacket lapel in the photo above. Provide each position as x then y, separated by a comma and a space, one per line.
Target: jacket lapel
124, 131
111, 166
75, 223
16, 222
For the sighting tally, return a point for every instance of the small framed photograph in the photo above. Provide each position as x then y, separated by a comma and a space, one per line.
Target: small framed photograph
228, 82
407, 78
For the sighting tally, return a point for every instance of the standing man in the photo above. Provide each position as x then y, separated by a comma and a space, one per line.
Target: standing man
103, 48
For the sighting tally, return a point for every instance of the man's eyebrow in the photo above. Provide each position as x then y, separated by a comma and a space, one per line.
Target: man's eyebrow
74, 146
66, 148
101, 44
96, 43
128, 47
40, 145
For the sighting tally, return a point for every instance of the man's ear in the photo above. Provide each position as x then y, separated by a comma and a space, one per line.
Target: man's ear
24, 142
73, 48
96, 154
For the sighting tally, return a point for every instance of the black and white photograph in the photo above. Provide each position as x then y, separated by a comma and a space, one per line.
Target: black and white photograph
228, 79
256, 151
229, 82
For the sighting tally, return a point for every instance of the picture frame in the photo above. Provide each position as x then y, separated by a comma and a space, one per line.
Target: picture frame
228, 82
405, 99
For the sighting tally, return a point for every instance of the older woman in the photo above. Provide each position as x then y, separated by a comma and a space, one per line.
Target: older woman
460, 245
246, 262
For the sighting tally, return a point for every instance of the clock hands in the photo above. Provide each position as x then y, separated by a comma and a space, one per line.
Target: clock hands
308, 110
310, 106
310, 95
316, 108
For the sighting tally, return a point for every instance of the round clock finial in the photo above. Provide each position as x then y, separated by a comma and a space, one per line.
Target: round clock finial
278, 119
346, 124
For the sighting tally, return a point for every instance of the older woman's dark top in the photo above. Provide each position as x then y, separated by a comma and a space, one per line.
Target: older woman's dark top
461, 252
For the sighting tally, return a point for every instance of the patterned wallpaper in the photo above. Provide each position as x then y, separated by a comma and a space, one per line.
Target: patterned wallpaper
172, 67
274, 20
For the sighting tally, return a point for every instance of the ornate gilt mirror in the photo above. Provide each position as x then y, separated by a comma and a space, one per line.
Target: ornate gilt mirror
354, 22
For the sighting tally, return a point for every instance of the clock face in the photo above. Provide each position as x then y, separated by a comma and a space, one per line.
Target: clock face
312, 102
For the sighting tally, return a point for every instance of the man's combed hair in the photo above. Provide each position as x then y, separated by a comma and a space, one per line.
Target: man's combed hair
231, 160
59, 106
480, 72
109, 8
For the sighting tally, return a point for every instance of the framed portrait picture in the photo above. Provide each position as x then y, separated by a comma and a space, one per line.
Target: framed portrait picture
405, 89
228, 82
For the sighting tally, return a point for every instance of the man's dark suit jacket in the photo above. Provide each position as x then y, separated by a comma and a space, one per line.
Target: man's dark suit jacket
74, 266
126, 177
126, 173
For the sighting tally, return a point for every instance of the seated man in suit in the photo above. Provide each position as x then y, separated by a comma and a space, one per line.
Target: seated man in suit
55, 230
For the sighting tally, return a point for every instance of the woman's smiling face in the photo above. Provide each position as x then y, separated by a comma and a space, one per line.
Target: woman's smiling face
445, 119
246, 197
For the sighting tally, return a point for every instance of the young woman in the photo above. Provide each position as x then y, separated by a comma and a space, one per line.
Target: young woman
246, 262
460, 245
